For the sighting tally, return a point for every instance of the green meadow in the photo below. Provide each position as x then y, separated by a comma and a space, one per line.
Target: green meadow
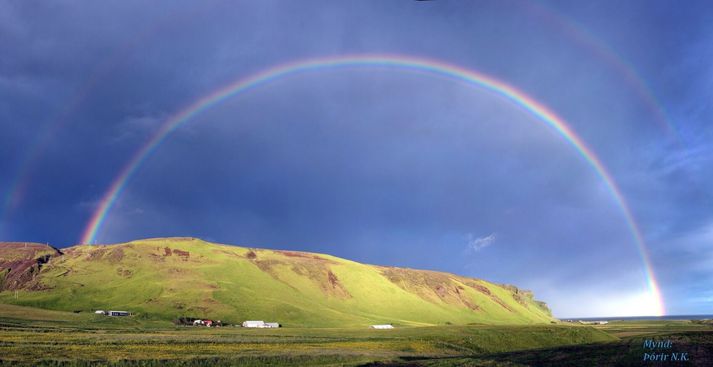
39, 337
36, 337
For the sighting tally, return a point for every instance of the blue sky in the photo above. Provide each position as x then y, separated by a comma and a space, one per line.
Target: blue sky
379, 166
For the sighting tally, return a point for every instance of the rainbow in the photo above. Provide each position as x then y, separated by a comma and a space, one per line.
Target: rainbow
565, 25
579, 34
400, 62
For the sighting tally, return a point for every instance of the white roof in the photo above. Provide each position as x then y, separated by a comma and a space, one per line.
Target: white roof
385, 326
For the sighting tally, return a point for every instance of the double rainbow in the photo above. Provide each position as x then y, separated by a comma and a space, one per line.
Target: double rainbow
408, 63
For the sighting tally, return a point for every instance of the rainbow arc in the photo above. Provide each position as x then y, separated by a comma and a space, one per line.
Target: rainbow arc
396, 62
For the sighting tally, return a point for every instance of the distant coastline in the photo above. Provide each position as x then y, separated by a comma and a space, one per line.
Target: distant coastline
640, 318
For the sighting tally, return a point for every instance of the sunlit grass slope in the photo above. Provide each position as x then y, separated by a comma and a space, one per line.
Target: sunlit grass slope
167, 278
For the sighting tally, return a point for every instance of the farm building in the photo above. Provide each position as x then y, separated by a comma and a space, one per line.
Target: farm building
208, 323
257, 324
385, 326
261, 324
118, 313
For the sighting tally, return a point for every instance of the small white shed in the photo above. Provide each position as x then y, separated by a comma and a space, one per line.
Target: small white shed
384, 326
118, 313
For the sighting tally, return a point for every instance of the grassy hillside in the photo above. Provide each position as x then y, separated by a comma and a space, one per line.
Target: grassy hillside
167, 278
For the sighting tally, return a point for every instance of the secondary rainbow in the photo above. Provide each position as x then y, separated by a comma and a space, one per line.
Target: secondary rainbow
566, 26
399, 62
578, 33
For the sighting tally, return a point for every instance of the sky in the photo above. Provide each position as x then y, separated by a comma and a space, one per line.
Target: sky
382, 165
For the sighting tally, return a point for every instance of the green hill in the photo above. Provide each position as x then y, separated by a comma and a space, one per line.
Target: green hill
172, 277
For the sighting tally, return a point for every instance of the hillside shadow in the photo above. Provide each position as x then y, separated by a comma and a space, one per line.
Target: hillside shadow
697, 345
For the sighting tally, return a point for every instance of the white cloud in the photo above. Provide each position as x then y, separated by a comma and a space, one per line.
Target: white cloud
479, 243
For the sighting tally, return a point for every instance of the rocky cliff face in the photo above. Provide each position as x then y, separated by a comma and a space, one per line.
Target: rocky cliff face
21, 262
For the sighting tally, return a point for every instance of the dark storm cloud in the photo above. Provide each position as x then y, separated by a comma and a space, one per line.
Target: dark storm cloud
379, 166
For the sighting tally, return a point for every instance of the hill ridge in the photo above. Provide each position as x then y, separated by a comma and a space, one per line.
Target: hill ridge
169, 277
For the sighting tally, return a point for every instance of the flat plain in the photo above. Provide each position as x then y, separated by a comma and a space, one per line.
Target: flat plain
36, 337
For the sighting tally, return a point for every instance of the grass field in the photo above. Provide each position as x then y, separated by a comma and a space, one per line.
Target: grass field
33, 337
38, 337
693, 338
